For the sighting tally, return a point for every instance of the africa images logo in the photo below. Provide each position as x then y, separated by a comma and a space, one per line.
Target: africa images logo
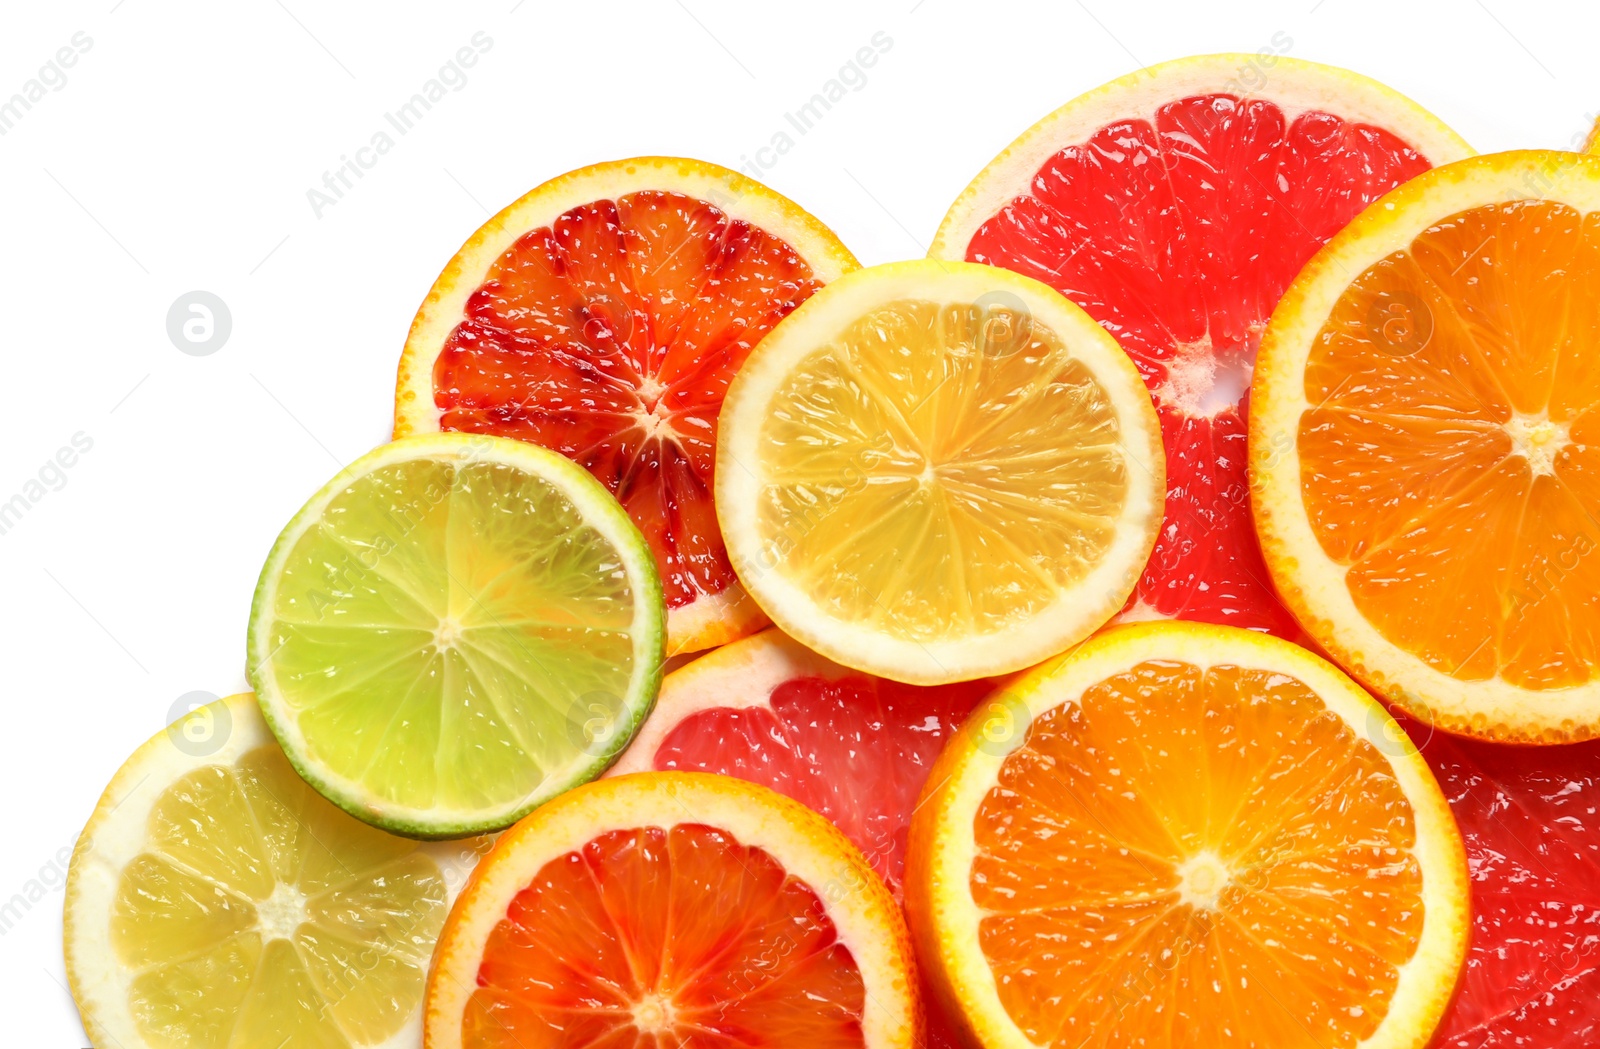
452, 76
52, 76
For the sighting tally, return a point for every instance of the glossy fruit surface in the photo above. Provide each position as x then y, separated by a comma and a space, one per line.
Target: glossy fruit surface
1530, 819
936, 471
853, 747
1175, 205
1425, 483
673, 909
1181, 829
602, 316
436, 633
215, 899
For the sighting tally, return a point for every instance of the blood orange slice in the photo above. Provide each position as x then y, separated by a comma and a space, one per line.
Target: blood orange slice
672, 909
851, 746
1175, 205
1530, 819
602, 316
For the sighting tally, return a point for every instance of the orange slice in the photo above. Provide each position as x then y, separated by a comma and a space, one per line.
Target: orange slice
602, 316
1183, 834
1423, 479
673, 909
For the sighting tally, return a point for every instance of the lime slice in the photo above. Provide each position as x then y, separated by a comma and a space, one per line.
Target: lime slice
455, 629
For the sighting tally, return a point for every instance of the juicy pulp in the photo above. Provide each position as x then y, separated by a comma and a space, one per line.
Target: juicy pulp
610, 336
1185, 851
259, 915
1179, 233
652, 937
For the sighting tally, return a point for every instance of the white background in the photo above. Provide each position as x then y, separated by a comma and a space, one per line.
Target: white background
178, 154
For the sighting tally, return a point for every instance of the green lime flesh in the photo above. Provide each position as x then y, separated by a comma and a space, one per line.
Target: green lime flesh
444, 642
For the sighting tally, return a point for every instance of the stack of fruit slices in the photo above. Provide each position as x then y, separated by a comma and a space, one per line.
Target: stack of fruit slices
653, 405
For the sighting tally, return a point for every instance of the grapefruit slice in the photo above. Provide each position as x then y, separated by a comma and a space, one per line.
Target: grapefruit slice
935, 471
1175, 205
853, 747
434, 630
1530, 819
1425, 488
1192, 837
601, 316
673, 909
215, 900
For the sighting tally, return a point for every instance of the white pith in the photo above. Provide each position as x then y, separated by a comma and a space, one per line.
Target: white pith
739, 675
1296, 86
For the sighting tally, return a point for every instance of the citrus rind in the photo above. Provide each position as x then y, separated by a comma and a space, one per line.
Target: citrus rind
1310, 582
1077, 611
945, 919
117, 833
1293, 84
597, 509
867, 921
712, 619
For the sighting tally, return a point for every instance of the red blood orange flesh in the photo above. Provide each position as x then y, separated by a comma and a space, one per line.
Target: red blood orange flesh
538, 986
673, 909
1175, 206
602, 316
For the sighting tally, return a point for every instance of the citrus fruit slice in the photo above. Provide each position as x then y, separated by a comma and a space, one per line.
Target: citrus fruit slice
935, 471
672, 909
1528, 819
215, 900
853, 747
1180, 833
1424, 487
601, 316
1175, 205
433, 631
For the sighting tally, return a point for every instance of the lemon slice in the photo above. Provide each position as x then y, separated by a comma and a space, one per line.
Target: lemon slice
214, 900
936, 471
456, 628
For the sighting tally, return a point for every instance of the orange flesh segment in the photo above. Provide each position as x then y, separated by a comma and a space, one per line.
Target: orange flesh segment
655, 936
1452, 391
610, 336
1123, 906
